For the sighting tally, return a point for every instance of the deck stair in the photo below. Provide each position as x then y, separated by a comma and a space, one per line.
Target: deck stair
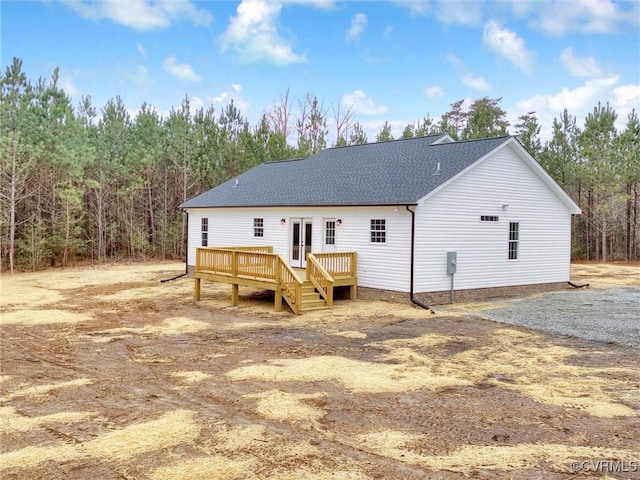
311, 299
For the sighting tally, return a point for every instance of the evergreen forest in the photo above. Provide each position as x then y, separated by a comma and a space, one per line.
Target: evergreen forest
96, 183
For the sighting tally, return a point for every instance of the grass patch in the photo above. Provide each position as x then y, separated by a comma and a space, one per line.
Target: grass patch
556, 457
11, 422
170, 430
42, 317
40, 390
289, 407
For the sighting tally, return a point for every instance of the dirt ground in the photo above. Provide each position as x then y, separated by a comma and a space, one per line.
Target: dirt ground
108, 373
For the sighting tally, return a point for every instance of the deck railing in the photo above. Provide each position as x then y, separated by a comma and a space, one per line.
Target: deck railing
256, 263
215, 260
261, 248
338, 264
320, 278
246, 261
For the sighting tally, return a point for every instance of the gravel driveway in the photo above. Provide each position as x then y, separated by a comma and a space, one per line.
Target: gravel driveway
610, 315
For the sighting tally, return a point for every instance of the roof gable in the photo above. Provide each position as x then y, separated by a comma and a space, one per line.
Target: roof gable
399, 172
531, 163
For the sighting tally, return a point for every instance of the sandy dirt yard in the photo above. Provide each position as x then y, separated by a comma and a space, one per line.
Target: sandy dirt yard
107, 373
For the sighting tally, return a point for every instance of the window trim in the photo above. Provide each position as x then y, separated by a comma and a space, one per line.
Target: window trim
258, 227
204, 232
513, 249
378, 231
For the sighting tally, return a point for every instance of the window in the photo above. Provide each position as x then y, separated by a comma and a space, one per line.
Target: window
514, 238
378, 231
258, 227
488, 218
204, 228
330, 232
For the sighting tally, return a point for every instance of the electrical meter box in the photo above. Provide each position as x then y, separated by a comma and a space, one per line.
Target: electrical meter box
452, 262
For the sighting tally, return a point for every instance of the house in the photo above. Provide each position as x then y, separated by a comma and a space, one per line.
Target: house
427, 216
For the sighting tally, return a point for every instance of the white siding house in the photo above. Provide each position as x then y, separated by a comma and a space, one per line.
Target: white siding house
402, 206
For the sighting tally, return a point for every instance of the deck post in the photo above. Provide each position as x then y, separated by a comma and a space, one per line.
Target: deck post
234, 263
234, 294
354, 265
354, 273
277, 303
197, 289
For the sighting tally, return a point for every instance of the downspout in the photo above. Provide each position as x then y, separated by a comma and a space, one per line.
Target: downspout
413, 243
186, 256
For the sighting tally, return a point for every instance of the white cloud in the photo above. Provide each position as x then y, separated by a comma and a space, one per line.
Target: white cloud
221, 98
416, 7
183, 71
455, 12
508, 45
557, 17
69, 87
579, 66
196, 103
454, 60
433, 92
253, 35
142, 14
358, 24
578, 101
140, 77
625, 98
225, 98
522, 8
362, 103
326, 4
477, 82
593, 16
626, 95
141, 50
388, 31
373, 127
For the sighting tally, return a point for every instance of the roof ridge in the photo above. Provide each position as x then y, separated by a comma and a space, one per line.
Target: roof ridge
395, 140
284, 160
472, 140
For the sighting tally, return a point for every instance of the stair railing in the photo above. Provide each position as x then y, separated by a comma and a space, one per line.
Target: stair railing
291, 285
320, 278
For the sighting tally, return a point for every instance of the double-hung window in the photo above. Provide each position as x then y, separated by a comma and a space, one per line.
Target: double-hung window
258, 227
378, 231
204, 229
514, 240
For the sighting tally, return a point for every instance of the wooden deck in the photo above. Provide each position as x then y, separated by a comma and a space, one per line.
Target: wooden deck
259, 267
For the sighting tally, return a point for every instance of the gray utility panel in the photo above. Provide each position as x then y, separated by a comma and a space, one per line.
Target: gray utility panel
452, 262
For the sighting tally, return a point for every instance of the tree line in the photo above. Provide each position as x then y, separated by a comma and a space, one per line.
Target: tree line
87, 184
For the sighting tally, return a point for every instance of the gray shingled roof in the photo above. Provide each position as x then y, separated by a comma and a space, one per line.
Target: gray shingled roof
390, 173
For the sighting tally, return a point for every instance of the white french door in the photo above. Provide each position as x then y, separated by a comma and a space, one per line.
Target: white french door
301, 241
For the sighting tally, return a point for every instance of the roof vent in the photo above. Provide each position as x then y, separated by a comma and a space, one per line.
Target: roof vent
236, 183
437, 172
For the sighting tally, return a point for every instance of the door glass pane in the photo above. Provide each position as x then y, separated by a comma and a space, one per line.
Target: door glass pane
308, 230
295, 242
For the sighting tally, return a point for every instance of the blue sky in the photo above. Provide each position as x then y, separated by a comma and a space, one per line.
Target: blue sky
393, 61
